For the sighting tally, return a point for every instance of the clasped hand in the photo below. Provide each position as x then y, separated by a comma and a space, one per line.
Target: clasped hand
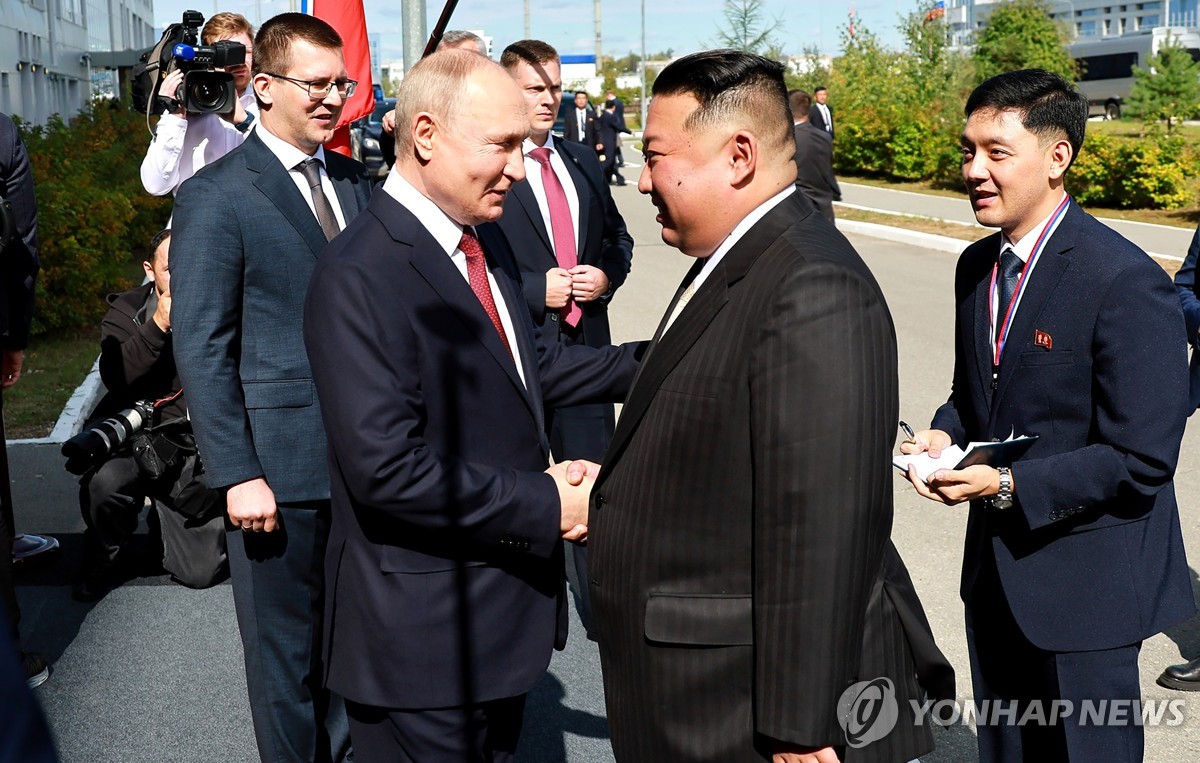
949, 486
574, 480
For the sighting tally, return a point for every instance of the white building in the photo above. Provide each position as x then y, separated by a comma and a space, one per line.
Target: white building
46, 49
1086, 18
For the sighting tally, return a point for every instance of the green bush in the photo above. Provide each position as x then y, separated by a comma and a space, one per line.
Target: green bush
94, 217
1154, 172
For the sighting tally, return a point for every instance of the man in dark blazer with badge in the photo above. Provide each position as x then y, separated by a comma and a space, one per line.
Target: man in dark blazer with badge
247, 232
572, 250
743, 579
445, 571
1066, 331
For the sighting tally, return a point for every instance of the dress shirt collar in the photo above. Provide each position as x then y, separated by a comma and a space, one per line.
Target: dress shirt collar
285, 152
528, 145
740, 230
444, 230
1024, 247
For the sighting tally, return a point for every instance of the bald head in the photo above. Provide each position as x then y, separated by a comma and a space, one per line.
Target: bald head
460, 121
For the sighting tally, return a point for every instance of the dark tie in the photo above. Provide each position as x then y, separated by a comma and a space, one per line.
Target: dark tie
1010, 274
311, 170
562, 225
477, 275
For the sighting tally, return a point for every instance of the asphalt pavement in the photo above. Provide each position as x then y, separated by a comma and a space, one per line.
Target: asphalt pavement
153, 672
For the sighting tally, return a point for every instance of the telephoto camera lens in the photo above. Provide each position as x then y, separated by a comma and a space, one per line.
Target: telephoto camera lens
209, 92
99, 441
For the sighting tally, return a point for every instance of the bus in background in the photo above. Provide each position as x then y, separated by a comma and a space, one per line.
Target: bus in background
1106, 64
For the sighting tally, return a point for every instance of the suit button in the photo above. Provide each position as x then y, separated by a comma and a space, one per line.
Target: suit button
600, 500
554, 317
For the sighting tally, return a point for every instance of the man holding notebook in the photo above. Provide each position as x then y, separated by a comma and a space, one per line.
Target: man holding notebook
1068, 332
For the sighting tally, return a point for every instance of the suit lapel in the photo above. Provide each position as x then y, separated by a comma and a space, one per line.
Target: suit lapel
275, 182
524, 196
1043, 280
984, 348
436, 267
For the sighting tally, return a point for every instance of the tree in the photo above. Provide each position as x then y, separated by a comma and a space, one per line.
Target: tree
1167, 89
1021, 35
746, 28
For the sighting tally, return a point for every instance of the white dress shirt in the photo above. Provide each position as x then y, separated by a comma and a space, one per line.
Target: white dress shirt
533, 174
182, 147
581, 116
290, 156
1024, 250
448, 234
828, 117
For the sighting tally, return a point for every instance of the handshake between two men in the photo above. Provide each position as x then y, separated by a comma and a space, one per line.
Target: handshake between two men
574, 480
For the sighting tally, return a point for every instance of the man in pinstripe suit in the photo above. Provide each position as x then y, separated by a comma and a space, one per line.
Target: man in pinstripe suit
742, 573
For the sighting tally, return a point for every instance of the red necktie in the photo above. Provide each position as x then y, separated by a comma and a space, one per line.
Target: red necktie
563, 227
477, 275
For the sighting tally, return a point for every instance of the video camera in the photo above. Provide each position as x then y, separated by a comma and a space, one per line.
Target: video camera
204, 89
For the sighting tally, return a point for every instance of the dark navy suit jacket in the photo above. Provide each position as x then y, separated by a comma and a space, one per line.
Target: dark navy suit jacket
244, 246
1189, 298
445, 572
602, 240
1091, 556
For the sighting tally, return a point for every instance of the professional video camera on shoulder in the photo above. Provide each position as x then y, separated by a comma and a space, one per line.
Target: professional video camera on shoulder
204, 90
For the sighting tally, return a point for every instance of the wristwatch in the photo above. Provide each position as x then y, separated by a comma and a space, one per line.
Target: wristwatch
1004, 498
244, 125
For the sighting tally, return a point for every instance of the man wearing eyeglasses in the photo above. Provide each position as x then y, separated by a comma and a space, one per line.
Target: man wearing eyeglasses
248, 230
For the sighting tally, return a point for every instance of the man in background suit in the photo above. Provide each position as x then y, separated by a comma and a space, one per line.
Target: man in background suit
1064, 330
580, 125
742, 574
822, 115
445, 564
814, 157
248, 229
610, 128
1186, 676
572, 250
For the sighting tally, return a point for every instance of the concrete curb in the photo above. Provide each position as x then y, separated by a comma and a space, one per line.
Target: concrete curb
74, 413
903, 236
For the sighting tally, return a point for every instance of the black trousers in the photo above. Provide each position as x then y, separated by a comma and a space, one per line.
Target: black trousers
1010, 673
484, 733
112, 496
8, 589
278, 594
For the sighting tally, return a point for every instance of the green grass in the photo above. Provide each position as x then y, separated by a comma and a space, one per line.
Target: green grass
54, 366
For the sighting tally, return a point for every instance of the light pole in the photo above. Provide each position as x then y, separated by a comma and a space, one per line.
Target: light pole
642, 100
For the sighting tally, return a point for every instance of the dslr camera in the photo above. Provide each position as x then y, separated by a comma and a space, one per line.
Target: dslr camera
98, 442
204, 90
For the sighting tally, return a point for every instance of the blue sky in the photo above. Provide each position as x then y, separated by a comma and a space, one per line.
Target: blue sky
567, 24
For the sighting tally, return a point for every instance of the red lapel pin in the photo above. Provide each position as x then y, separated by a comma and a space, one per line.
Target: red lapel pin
1042, 339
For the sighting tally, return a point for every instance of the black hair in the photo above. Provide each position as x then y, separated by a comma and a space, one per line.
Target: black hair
1049, 105
724, 81
156, 242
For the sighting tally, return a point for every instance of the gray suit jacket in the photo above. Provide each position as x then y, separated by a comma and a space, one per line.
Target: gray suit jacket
244, 246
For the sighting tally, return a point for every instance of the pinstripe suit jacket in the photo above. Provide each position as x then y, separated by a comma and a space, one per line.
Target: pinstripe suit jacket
741, 522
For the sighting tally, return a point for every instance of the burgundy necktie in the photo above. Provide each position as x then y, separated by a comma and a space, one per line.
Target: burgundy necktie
477, 275
563, 227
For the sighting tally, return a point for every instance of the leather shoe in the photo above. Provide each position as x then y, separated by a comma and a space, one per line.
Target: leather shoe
1184, 677
29, 548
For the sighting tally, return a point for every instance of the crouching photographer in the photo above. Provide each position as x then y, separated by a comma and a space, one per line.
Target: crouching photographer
137, 444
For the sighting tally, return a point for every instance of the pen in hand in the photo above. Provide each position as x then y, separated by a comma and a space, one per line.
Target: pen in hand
908, 432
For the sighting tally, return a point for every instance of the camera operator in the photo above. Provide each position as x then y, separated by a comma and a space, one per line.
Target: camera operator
137, 364
185, 143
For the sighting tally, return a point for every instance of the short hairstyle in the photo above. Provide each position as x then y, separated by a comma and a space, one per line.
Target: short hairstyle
729, 84
819, 89
273, 44
454, 37
1049, 106
532, 52
156, 242
434, 85
800, 103
222, 26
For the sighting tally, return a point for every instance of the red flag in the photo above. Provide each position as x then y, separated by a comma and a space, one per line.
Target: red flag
350, 21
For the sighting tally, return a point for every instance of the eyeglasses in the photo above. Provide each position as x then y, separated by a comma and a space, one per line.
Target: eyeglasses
318, 90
